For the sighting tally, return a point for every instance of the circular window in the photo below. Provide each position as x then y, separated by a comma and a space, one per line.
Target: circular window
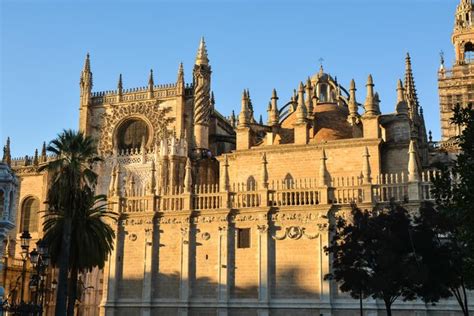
131, 134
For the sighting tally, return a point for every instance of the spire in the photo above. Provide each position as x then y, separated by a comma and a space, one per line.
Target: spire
352, 99
212, 100
402, 107
7, 157
274, 113
244, 111
233, 119
180, 86
180, 73
85, 83
301, 109
120, 84
35, 158
323, 170
44, 157
366, 172
309, 99
201, 57
260, 120
371, 106
413, 172
410, 89
151, 82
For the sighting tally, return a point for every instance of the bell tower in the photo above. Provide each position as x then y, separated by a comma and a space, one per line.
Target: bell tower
456, 85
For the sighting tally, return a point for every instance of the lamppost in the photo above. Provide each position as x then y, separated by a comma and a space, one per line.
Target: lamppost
40, 261
25, 245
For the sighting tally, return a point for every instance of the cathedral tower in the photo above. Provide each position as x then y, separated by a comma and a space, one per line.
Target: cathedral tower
456, 85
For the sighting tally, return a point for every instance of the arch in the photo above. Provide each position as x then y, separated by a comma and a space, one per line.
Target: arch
2, 203
469, 52
131, 132
29, 214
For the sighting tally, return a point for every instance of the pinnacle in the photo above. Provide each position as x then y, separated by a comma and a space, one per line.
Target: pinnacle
301, 86
87, 63
399, 85
119, 84
150, 79
274, 94
370, 80
201, 57
352, 85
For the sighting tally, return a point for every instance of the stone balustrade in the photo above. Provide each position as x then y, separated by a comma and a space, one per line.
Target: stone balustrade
302, 192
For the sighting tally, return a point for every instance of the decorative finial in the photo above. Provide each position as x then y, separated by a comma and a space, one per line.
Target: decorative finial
201, 57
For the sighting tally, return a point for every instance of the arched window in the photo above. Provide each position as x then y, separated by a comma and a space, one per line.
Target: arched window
131, 134
251, 184
29, 215
469, 52
288, 181
2, 203
323, 93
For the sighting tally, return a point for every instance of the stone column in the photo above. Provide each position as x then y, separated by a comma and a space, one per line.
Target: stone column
110, 269
223, 271
324, 264
263, 274
146, 292
184, 275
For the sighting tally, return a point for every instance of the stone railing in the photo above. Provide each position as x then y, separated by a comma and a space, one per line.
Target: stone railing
208, 197
382, 189
137, 204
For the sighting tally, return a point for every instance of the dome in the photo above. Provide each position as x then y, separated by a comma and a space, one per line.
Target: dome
330, 123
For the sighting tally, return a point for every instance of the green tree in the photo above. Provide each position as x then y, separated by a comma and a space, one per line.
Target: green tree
349, 257
91, 238
453, 191
71, 173
372, 255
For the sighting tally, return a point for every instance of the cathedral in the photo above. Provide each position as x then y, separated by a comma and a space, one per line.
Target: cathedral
216, 218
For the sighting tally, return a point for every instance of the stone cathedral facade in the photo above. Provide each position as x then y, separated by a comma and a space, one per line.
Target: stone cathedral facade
229, 215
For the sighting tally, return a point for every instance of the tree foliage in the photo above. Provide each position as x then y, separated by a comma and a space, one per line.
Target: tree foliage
373, 255
454, 210
71, 173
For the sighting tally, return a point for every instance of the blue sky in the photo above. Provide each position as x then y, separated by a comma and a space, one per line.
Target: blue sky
258, 44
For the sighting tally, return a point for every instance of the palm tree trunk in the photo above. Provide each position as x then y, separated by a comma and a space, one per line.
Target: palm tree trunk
71, 302
61, 295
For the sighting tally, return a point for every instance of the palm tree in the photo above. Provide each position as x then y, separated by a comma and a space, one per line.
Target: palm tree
91, 238
71, 173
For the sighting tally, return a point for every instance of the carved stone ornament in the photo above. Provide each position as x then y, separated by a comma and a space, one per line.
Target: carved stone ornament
132, 237
295, 233
150, 112
262, 228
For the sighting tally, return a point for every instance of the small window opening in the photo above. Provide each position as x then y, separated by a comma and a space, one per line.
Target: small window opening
243, 238
469, 52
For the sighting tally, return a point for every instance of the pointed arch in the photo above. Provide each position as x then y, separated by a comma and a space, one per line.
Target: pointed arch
29, 214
